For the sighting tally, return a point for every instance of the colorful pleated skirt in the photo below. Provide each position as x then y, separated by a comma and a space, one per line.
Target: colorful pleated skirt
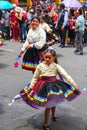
48, 93
51, 39
30, 59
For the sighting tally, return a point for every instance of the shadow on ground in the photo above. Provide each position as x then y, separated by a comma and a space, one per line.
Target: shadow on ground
68, 120
2, 109
3, 65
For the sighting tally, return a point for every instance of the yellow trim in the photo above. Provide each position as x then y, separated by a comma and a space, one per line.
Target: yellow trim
58, 1
28, 2
81, 0
12, 1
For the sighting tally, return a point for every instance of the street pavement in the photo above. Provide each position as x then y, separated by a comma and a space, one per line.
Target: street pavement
72, 116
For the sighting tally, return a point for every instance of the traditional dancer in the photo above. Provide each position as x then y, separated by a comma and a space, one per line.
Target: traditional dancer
34, 46
51, 38
45, 90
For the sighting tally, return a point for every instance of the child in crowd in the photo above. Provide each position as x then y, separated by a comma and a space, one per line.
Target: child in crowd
51, 38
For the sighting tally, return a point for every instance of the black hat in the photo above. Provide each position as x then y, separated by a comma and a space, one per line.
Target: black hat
62, 5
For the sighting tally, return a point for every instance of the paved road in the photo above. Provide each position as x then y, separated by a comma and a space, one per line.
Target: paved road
72, 116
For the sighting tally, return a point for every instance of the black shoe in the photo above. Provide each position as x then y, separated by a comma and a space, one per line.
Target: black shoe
62, 46
81, 53
76, 51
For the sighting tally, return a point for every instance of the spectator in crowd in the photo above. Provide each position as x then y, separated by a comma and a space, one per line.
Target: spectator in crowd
85, 32
7, 24
31, 14
38, 12
14, 25
0, 14
62, 24
71, 31
79, 29
3, 31
22, 24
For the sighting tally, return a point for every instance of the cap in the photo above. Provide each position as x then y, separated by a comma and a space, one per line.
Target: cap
18, 9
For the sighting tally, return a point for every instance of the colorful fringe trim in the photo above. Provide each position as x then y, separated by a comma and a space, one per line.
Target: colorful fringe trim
29, 66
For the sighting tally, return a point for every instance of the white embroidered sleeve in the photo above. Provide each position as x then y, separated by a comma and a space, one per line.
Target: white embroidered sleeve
64, 74
25, 45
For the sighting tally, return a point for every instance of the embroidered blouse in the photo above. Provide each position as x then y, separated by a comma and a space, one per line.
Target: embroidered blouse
37, 36
52, 70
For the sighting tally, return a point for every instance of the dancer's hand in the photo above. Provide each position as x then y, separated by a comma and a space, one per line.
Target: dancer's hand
16, 64
29, 89
21, 52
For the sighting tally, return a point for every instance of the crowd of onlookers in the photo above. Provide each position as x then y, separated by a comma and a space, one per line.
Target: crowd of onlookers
14, 23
